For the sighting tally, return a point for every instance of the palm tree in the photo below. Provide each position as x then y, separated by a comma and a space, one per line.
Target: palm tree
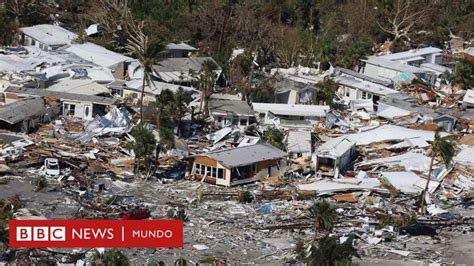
207, 81
323, 214
148, 53
443, 147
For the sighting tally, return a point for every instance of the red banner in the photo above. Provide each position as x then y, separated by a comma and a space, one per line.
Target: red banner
96, 233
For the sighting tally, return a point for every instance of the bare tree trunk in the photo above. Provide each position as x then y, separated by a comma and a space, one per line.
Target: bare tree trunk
142, 95
423, 193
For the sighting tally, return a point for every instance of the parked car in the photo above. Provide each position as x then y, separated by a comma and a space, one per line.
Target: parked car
51, 167
135, 214
176, 172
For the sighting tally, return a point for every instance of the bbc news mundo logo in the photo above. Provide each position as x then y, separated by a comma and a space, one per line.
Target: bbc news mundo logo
99, 233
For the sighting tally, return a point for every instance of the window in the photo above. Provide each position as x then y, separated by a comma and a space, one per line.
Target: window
197, 169
219, 119
364, 95
214, 172
243, 122
347, 92
69, 109
209, 171
116, 92
220, 173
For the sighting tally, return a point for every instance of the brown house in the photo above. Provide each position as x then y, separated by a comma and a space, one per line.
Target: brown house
239, 165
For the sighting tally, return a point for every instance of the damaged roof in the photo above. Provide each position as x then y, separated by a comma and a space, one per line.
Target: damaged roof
63, 95
246, 155
225, 106
299, 141
336, 147
21, 110
182, 68
291, 109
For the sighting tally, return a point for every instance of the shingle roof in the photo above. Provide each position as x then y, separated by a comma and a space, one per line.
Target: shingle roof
20, 110
247, 155
223, 106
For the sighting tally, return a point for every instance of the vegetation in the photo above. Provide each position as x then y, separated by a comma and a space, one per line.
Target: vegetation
274, 137
327, 91
329, 252
323, 214
143, 146
110, 257
40, 183
444, 147
245, 197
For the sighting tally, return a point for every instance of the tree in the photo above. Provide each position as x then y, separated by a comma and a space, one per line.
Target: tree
443, 147
110, 257
148, 52
329, 252
182, 99
274, 137
401, 18
164, 104
327, 91
358, 48
143, 146
323, 214
463, 74
207, 80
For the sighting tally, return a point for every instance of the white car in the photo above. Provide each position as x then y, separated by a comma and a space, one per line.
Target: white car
51, 167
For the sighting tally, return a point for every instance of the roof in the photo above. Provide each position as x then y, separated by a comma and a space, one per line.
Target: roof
181, 69
361, 76
469, 97
366, 86
14, 63
52, 35
223, 106
336, 147
20, 110
389, 133
299, 141
246, 155
435, 68
63, 95
285, 84
180, 46
291, 109
394, 65
78, 86
412, 53
393, 112
98, 54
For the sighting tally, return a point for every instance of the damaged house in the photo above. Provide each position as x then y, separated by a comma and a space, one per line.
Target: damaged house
239, 165
292, 92
289, 115
47, 37
299, 144
335, 155
351, 89
77, 105
230, 111
25, 115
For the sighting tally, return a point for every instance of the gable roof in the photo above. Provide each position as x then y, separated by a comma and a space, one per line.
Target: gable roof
246, 155
225, 106
49, 34
21, 110
336, 147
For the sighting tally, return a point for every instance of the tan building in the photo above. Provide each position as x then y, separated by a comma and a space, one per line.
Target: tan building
239, 165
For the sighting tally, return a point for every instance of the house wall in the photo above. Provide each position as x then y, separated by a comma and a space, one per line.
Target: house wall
82, 110
348, 94
209, 162
221, 120
378, 72
276, 168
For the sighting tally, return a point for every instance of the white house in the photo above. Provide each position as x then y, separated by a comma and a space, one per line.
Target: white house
47, 37
335, 155
351, 89
289, 115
